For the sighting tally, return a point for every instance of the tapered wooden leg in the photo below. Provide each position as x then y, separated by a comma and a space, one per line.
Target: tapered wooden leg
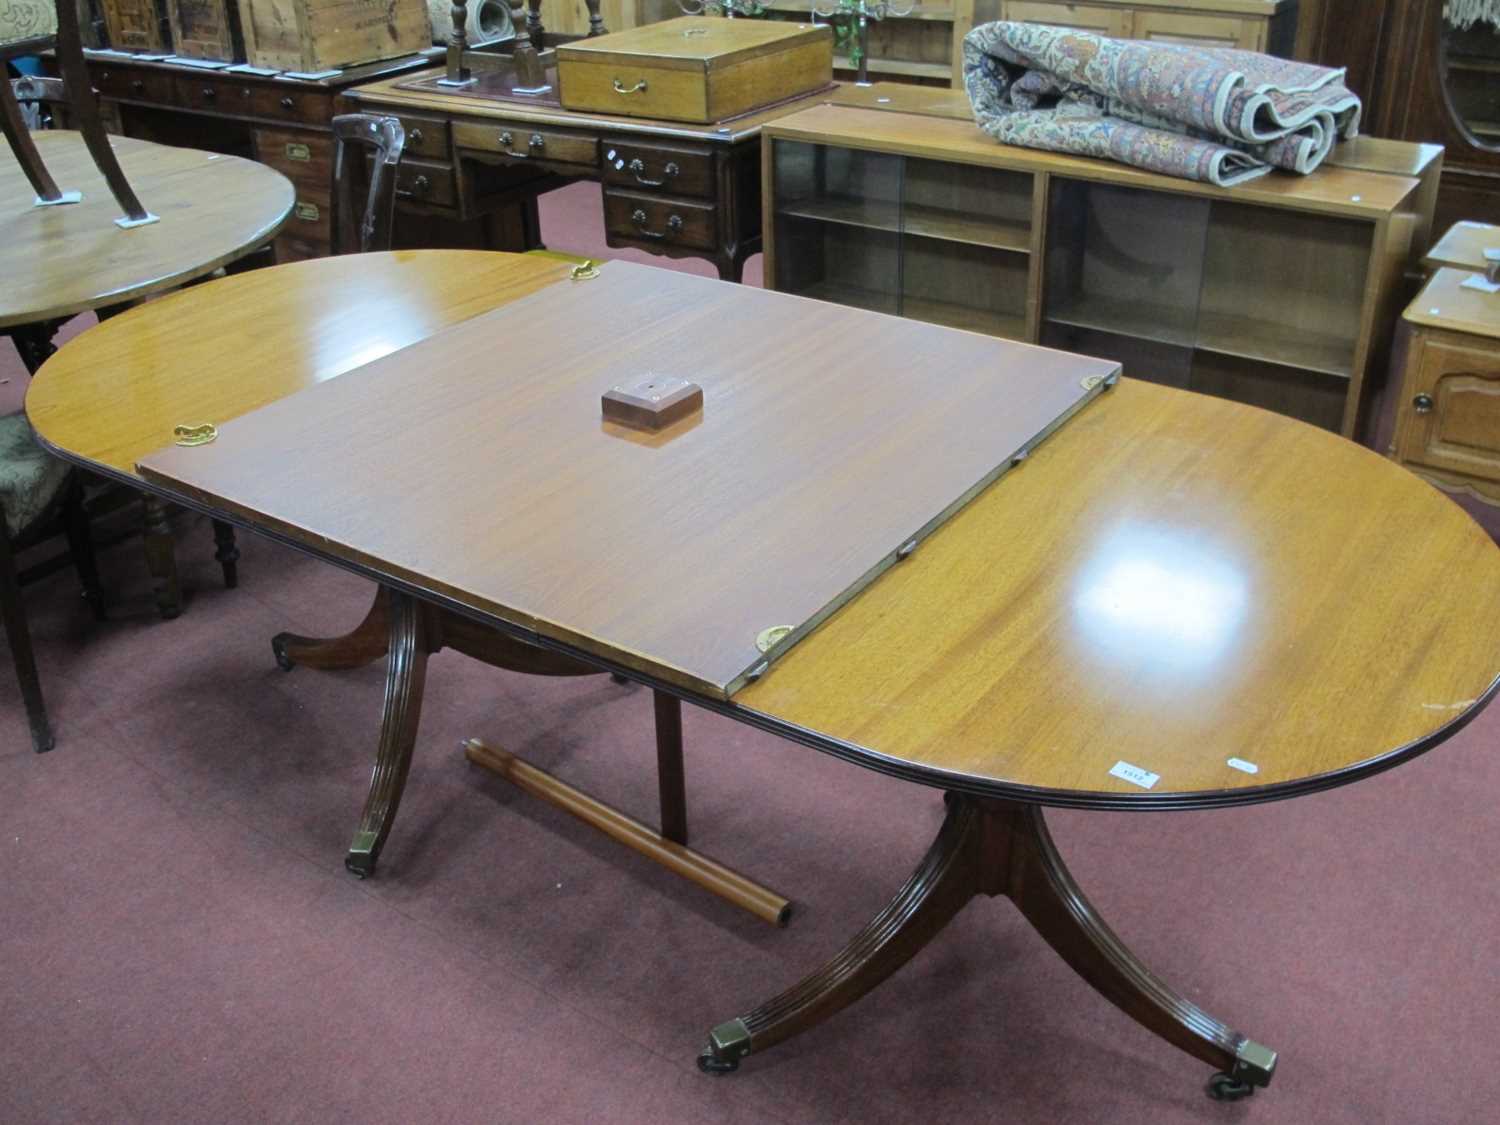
670, 777
405, 678
368, 642
85, 108
13, 615
996, 848
227, 554
81, 547
24, 148
161, 556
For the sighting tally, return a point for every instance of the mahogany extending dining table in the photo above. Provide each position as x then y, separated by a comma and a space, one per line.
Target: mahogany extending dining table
1172, 602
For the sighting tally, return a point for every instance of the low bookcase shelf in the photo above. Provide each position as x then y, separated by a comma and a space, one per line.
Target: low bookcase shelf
1282, 292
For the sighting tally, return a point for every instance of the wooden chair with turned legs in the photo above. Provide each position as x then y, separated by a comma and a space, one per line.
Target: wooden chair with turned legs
39, 497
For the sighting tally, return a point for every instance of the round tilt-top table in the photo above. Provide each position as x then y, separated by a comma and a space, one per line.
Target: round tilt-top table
60, 260
56, 261
1175, 602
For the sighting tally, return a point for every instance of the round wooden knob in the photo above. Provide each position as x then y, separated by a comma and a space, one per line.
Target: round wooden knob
1422, 403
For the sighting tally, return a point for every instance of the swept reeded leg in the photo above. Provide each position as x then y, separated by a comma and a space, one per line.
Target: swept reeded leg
366, 644
405, 677
996, 848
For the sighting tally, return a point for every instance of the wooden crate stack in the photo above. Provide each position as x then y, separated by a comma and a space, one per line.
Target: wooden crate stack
295, 35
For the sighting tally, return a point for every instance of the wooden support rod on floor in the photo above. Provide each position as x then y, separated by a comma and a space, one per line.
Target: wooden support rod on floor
729, 885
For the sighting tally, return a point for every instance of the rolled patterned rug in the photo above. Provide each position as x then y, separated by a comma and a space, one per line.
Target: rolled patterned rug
1201, 113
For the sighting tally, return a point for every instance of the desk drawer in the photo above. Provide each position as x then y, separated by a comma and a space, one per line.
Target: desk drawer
425, 136
301, 155
642, 217
424, 181
210, 93
133, 85
285, 102
519, 140
681, 171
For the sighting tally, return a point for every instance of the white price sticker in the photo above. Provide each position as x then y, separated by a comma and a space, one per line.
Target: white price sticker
1243, 766
1134, 774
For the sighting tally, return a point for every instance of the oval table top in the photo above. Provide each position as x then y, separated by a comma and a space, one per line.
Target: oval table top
67, 259
1239, 603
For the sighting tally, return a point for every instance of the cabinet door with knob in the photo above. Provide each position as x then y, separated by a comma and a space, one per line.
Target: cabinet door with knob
1450, 413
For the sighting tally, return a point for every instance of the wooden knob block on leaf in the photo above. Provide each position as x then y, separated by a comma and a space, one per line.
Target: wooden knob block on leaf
654, 403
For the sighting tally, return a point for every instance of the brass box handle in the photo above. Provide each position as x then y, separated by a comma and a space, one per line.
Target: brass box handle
637, 166
638, 217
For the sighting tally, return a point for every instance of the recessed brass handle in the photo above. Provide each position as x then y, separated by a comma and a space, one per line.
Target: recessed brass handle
638, 88
638, 217
637, 166
191, 435
1423, 404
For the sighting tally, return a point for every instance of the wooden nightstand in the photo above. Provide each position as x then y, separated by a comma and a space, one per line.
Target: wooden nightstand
1448, 413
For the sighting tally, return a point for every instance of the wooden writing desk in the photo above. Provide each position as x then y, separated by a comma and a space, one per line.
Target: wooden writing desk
1173, 602
680, 190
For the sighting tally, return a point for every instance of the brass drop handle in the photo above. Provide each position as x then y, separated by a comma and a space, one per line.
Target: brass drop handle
209, 93
638, 217
138, 86
637, 166
287, 103
506, 140
416, 136
638, 88
1423, 403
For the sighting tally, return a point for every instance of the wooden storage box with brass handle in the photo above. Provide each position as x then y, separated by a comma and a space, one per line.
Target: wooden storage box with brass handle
695, 68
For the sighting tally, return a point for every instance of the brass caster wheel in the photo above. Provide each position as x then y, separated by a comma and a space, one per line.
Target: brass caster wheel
710, 1063
1223, 1088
